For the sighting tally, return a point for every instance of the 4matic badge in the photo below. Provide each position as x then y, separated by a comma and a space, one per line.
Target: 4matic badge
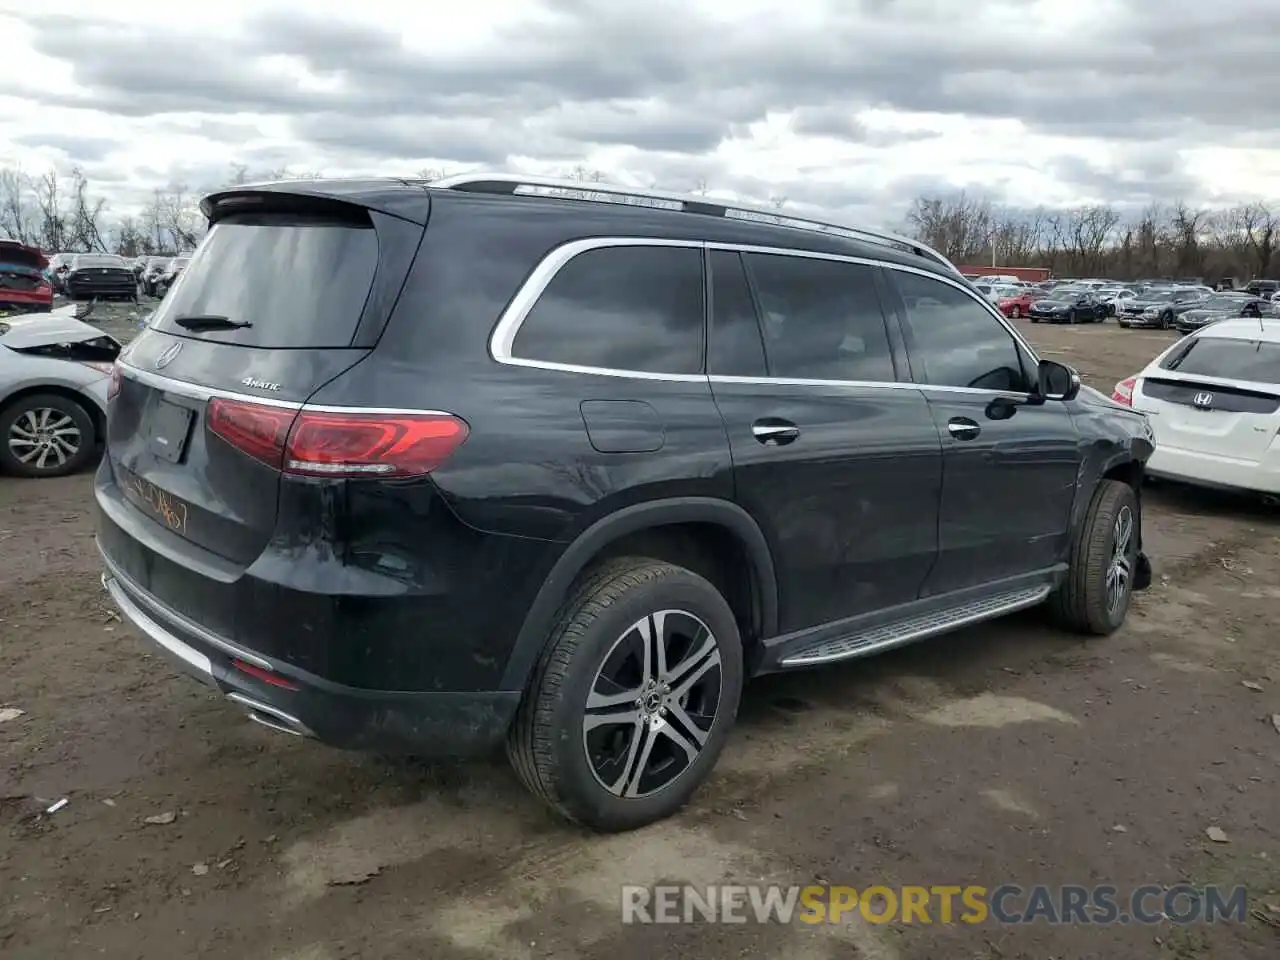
260, 384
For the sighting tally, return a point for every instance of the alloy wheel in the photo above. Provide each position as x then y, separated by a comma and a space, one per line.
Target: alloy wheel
1120, 569
44, 438
652, 704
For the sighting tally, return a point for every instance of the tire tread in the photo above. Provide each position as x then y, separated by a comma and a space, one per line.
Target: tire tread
529, 746
1079, 604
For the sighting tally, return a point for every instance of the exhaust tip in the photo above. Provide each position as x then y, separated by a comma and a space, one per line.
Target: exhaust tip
271, 717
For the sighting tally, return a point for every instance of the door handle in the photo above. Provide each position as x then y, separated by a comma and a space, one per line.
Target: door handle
774, 433
963, 428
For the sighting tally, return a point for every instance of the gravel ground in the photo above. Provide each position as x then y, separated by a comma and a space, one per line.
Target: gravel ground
1006, 753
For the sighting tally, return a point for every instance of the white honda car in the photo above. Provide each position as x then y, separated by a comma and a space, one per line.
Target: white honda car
1213, 400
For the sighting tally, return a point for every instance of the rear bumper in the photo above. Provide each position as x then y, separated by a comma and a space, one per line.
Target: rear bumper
125, 287
1214, 471
289, 700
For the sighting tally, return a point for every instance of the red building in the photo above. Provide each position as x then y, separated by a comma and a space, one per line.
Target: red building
1030, 274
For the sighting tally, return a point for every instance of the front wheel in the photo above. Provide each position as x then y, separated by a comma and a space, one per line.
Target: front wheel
1072, 317
1014, 313
1166, 321
633, 698
45, 435
1104, 561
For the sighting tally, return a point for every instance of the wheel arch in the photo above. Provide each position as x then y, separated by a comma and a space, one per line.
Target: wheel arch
1115, 461
634, 524
67, 392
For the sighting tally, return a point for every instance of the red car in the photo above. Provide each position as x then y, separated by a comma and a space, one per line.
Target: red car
23, 287
1018, 306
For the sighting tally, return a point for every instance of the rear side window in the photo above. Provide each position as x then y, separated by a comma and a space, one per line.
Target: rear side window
1230, 359
298, 281
822, 319
954, 341
736, 349
620, 308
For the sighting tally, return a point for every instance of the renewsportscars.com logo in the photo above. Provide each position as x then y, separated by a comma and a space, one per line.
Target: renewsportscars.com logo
944, 904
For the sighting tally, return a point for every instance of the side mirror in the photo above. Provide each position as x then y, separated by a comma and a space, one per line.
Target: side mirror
1057, 381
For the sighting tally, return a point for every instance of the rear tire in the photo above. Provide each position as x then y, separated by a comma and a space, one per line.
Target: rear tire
640, 765
1014, 313
1072, 317
46, 426
1094, 598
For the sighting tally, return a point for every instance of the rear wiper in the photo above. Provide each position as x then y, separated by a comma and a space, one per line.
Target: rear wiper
209, 321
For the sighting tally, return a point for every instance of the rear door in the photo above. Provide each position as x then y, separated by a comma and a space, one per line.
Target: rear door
836, 458
274, 304
1215, 395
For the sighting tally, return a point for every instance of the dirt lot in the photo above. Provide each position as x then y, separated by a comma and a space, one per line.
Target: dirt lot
1008, 753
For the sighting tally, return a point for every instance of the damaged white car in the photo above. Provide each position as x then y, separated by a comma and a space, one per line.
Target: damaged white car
55, 376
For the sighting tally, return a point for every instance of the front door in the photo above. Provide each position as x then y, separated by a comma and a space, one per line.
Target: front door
1009, 461
835, 457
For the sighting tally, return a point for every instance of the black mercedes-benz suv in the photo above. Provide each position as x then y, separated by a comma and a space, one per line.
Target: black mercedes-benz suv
434, 467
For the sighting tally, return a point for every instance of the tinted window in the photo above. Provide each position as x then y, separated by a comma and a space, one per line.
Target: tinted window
623, 308
300, 282
1254, 360
822, 319
736, 349
954, 342
98, 262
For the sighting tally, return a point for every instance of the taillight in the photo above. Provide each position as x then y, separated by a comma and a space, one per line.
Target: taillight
327, 443
252, 428
109, 368
1123, 392
113, 387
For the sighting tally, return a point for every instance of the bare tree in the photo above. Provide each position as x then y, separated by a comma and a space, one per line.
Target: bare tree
585, 174
60, 211
84, 215
18, 219
1259, 225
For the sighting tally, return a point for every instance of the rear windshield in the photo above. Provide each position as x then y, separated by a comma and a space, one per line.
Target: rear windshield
1255, 360
298, 281
1224, 303
99, 262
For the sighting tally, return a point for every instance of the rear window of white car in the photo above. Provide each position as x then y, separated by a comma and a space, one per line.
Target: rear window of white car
1228, 358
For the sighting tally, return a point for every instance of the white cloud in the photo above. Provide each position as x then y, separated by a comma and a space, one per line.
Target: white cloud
850, 106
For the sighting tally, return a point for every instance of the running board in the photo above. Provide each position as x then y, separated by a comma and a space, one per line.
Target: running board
917, 627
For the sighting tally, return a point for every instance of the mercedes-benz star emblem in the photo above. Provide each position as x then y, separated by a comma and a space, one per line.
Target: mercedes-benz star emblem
166, 358
1203, 400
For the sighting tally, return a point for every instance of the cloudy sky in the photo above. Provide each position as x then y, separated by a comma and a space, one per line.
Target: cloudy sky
852, 106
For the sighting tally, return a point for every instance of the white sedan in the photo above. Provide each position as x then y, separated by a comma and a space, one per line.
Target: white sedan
1213, 401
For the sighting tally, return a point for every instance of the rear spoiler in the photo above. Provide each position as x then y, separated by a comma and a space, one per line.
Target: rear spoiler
402, 199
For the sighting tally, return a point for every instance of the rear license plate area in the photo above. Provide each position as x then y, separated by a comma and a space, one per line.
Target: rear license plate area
170, 426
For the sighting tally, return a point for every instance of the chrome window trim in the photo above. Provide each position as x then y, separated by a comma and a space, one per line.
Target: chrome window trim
517, 311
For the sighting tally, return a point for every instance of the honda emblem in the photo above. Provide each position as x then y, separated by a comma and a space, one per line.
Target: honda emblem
1203, 400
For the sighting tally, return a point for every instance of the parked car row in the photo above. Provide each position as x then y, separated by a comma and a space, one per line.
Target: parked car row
108, 276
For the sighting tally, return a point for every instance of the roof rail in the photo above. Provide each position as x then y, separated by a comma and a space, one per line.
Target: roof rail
509, 183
